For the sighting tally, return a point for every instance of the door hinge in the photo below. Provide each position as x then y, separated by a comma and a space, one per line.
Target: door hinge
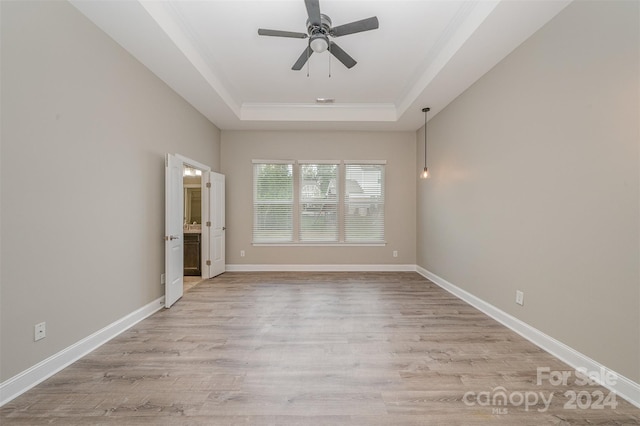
208, 184
208, 223
208, 263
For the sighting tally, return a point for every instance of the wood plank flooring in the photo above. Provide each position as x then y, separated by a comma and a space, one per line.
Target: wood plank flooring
313, 349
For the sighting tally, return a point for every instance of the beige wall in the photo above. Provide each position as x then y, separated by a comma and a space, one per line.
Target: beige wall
84, 131
397, 148
535, 184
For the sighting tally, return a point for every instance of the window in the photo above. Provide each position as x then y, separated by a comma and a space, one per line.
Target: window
318, 202
272, 202
364, 203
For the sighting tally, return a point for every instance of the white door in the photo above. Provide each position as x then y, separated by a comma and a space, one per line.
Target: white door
174, 241
216, 240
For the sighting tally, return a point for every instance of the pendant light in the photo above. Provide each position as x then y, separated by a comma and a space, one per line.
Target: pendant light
425, 173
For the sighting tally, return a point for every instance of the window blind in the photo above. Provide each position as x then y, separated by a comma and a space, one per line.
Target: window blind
273, 202
364, 203
318, 209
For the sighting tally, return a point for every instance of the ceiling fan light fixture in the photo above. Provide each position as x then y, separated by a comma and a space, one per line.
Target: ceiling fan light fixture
319, 43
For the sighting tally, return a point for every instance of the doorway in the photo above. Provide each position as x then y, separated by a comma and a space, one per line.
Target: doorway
193, 209
194, 225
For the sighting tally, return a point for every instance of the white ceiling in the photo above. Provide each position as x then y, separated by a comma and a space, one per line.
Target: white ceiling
425, 53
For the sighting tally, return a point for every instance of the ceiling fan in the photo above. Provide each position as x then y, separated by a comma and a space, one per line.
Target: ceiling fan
319, 30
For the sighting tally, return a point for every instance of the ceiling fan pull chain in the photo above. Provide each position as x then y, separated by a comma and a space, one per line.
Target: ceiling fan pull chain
329, 60
308, 54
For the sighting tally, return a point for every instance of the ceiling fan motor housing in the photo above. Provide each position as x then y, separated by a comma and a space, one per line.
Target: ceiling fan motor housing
323, 28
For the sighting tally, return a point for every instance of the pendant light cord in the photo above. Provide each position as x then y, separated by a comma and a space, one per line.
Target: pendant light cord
425, 138
425, 110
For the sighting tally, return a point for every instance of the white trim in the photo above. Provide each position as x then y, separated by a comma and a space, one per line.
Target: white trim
365, 162
193, 163
320, 268
22, 382
273, 162
314, 112
330, 162
624, 387
319, 244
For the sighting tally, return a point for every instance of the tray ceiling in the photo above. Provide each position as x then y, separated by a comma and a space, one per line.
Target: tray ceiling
425, 53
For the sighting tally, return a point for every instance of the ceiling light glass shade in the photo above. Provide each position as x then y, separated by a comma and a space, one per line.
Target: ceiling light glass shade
319, 44
424, 174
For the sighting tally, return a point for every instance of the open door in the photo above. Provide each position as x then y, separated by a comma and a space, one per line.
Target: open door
174, 241
215, 225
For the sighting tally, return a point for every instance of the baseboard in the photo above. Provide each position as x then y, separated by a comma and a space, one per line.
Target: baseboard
320, 268
29, 378
624, 387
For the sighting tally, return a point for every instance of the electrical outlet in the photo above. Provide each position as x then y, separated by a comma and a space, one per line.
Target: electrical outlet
519, 297
39, 331
395, 253
241, 253
163, 279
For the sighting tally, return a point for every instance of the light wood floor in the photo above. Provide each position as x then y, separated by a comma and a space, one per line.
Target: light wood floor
311, 349
188, 282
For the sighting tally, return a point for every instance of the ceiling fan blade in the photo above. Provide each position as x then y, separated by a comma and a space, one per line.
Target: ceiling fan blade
278, 33
313, 10
302, 59
355, 27
342, 56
